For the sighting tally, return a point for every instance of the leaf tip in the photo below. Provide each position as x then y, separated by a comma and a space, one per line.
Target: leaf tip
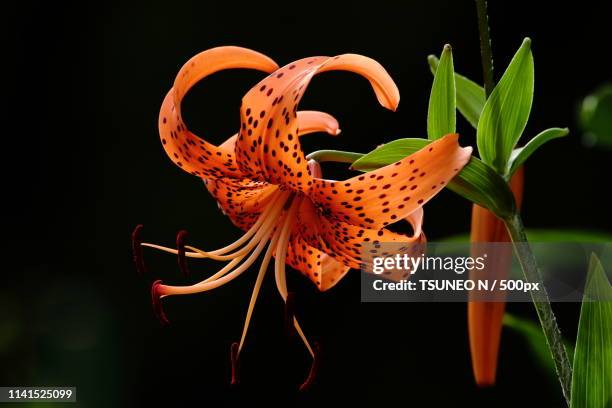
433, 62
527, 42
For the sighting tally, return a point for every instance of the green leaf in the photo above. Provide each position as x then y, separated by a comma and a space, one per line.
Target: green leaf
441, 117
592, 378
470, 96
477, 181
389, 153
505, 113
533, 335
518, 156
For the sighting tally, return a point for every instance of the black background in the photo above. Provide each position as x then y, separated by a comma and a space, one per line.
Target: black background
82, 165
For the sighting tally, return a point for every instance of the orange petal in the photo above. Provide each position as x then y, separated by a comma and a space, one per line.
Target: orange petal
485, 318
242, 200
267, 147
229, 144
313, 121
385, 89
415, 219
188, 151
346, 242
308, 122
382, 197
323, 270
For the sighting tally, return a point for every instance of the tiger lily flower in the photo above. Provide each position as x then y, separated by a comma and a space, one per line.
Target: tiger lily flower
262, 181
485, 319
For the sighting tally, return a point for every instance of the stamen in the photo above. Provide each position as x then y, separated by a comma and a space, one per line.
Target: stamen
314, 368
157, 287
229, 271
137, 250
172, 250
260, 276
262, 217
234, 350
165, 290
224, 271
157, 306
180, 247
300, 332
275, 224
267, 218
281, 251
279, 266
270, 222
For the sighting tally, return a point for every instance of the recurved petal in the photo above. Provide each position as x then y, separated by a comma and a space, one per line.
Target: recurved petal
323, 270
308, 122
185, 149
314, 121
267, 147
391, 193
385, 89
350, 244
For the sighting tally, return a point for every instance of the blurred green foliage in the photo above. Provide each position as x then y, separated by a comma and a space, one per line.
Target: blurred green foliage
532, 334
595, 117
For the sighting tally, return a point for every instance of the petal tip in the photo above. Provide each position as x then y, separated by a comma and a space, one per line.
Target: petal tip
395, 105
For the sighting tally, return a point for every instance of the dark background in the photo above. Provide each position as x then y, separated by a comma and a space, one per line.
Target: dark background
82, 165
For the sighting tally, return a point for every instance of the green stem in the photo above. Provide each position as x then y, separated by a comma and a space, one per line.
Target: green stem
486, 52
542, 304
334, 156
514, 224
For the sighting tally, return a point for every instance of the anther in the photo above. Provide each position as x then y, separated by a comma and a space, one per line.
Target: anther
235, 366
314, 368
180, 246
289, 314
137, 250
156, 302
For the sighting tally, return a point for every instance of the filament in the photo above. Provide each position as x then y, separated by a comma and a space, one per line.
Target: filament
280, 276
227, 268
267, 218
273, 230
209, 284
262, 272
269, 222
